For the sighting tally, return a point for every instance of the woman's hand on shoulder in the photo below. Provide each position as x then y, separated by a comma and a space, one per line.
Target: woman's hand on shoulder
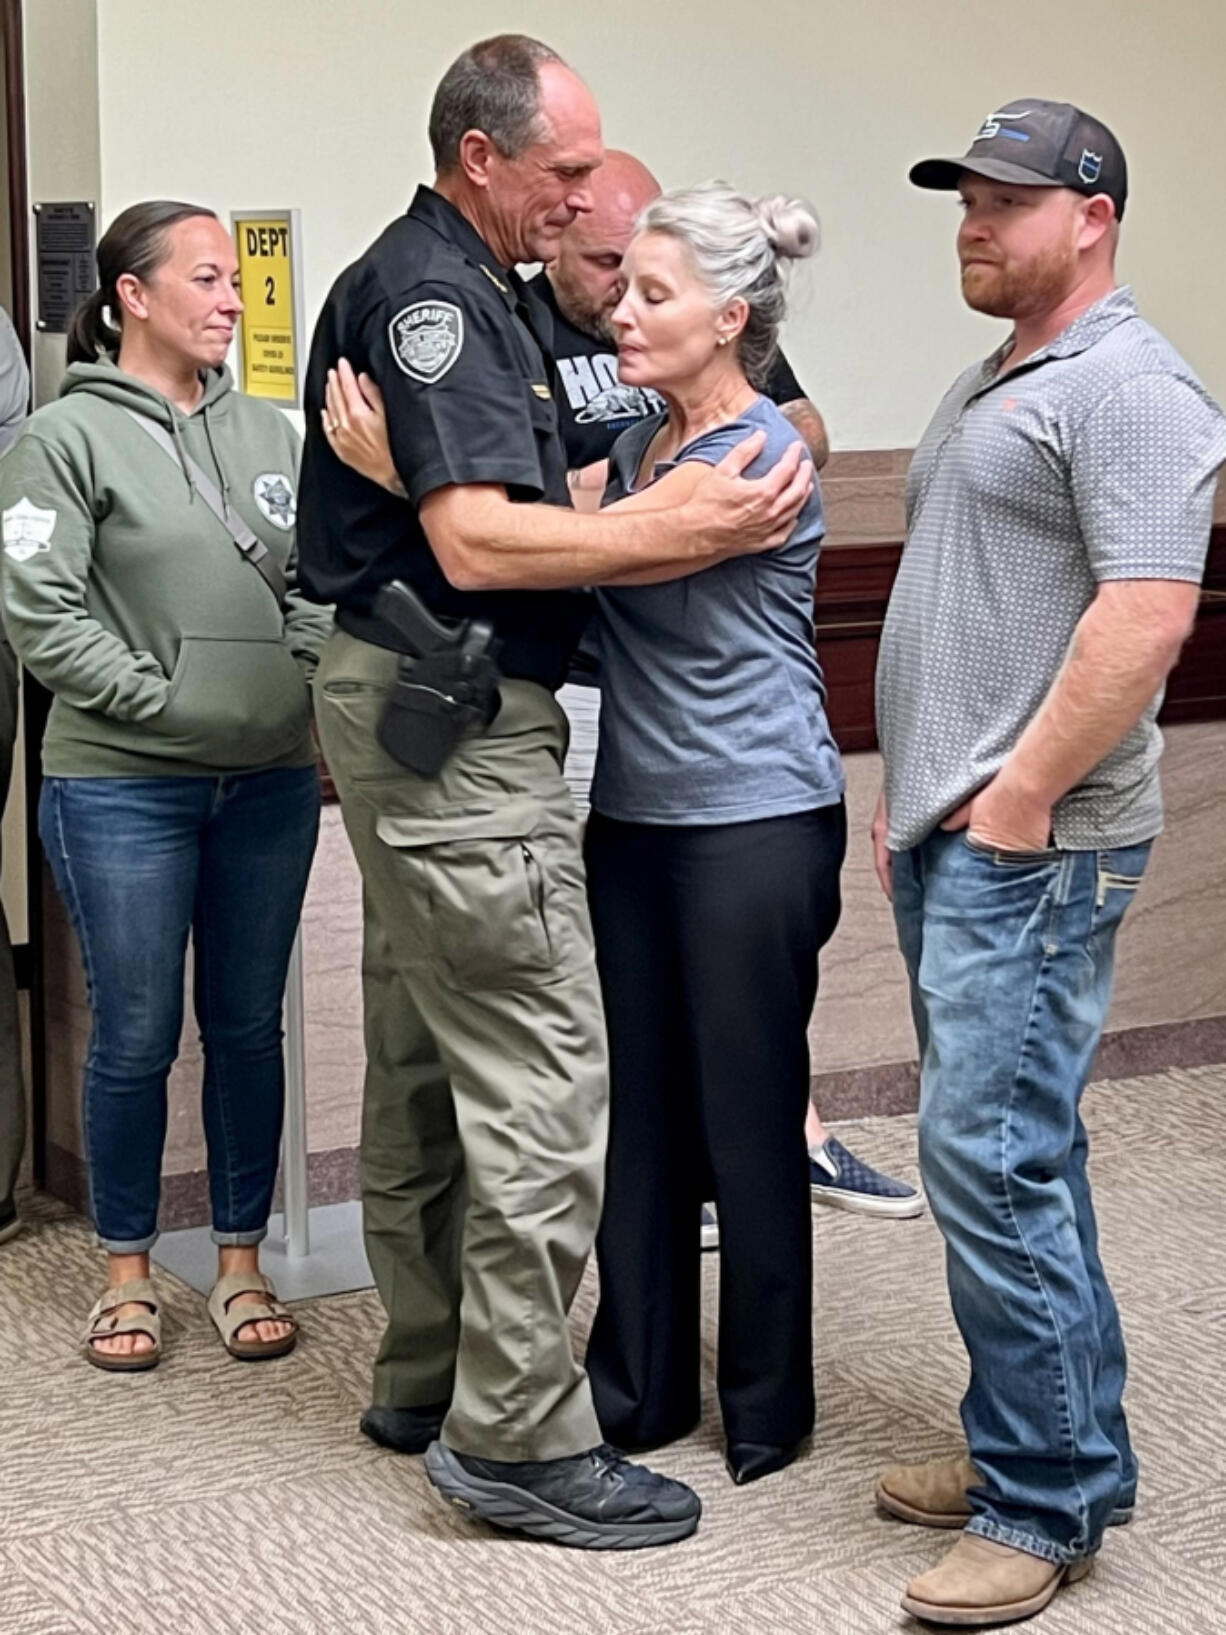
355, 424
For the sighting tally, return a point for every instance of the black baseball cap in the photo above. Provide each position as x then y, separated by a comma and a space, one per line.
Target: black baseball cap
1038, 144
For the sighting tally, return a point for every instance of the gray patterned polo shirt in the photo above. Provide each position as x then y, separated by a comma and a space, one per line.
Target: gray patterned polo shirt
1095, 460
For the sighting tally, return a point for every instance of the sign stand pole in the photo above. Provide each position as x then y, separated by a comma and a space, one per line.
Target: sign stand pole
294, 1139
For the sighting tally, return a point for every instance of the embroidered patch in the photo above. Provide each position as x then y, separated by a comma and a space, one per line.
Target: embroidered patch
275, 497
993, 127
27, 530
1090, 167
427, 338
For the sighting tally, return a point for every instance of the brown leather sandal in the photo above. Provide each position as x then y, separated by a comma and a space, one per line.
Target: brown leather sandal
229, 1318
103, 1324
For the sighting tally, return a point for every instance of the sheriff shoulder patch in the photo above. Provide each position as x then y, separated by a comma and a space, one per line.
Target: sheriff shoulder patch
427, 338
27, 529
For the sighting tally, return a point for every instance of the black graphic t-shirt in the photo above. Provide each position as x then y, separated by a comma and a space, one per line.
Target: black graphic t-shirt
594, 408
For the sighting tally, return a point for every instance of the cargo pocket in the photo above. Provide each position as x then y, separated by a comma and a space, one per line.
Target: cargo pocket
485, 884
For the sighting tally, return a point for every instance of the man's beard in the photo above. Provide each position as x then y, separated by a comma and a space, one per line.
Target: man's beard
1021, 290
588, 320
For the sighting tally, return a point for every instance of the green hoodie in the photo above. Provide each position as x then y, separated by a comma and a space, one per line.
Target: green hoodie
126, 596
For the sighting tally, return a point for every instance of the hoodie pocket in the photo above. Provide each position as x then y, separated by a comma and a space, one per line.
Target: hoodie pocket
233, 703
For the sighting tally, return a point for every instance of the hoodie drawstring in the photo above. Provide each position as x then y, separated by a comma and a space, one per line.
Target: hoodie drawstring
177, 435
222, 482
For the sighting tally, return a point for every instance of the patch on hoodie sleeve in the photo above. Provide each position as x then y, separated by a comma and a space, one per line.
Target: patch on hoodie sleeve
27, 529
274, 494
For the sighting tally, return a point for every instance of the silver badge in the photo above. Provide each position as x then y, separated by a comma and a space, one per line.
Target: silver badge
274, 495
427, 338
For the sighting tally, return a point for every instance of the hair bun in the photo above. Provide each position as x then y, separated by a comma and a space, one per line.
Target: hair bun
791, 226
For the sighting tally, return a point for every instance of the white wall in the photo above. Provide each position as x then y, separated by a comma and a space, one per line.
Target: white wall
322, 105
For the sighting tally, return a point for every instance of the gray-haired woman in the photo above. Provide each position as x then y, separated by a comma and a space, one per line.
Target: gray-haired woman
713, 855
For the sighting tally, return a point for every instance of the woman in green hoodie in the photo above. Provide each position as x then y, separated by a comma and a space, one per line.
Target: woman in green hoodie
147, 542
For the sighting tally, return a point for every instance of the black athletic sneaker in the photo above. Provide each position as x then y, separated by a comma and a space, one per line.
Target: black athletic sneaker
593, 1501
404, 1430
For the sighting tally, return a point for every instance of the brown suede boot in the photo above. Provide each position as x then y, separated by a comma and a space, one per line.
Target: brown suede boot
981, 1583
931, 1495
934, 1495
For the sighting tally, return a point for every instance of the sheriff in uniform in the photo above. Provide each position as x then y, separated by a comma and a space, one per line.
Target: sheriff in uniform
484, 1121
484, 1113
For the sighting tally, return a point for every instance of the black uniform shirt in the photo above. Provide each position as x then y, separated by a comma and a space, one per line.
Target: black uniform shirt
460, 350
593, 405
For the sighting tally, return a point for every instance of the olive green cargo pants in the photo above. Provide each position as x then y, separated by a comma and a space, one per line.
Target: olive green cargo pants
485, 1109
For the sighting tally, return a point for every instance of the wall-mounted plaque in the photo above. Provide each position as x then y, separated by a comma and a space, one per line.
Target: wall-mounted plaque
270, 333
64, 247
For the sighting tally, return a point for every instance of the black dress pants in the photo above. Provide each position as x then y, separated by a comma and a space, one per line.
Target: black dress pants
707, 941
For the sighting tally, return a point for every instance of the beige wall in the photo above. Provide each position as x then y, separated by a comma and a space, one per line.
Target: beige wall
61, 50
323, 106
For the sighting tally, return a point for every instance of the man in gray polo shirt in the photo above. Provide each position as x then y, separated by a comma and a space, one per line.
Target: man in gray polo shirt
1059, 508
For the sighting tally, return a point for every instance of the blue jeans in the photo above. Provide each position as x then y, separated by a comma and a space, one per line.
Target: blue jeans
1010, 957
142, 864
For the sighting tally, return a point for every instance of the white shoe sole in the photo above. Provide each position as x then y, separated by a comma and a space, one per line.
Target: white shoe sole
519, 1511
863, 1203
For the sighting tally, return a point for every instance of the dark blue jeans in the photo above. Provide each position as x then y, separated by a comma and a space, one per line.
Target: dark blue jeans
1010, 957
142, 864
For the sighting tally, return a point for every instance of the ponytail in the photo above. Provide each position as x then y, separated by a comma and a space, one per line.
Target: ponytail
89, 332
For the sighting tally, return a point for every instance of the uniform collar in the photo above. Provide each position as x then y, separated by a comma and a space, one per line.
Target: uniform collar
441, 216
1083, 333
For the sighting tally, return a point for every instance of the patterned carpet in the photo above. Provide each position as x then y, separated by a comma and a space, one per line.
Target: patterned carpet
212, 1498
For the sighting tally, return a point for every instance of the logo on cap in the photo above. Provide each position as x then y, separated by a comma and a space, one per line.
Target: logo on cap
1091, 166
992, 127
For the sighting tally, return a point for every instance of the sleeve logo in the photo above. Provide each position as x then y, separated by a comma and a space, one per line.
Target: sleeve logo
427, 338
27, 529
274, 495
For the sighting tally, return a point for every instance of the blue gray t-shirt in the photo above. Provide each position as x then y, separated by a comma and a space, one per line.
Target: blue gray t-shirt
713, 706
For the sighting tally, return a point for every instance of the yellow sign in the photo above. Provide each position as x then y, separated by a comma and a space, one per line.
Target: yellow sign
269, 329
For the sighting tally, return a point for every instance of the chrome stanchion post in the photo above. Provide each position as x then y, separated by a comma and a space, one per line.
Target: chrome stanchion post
294, 1138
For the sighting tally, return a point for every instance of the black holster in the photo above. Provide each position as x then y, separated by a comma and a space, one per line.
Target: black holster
446, 685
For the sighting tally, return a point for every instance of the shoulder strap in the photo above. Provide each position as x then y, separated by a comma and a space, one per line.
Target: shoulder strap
245, 542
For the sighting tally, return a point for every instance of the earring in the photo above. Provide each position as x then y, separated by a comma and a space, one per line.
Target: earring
721, 340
